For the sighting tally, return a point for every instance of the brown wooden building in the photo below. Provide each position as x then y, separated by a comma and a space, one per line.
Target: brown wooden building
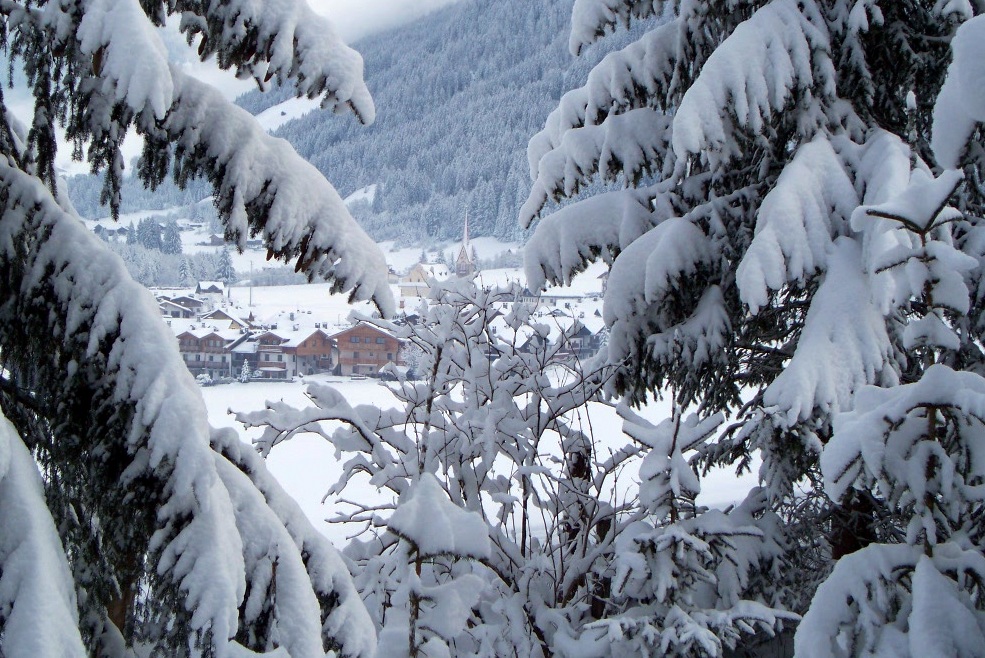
272, 359
364, 349
314, 353
206, 352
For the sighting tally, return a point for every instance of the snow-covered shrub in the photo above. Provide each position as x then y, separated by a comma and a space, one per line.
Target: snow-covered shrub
686, 581
498, 425
498, 439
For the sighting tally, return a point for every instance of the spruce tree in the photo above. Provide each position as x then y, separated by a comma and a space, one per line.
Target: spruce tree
224, 270
788, 173
171, 238
149, 234
146, 531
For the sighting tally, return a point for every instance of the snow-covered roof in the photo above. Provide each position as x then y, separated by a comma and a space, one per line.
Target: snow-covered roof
202, 332
363, 325
187, 299
295, 338
245, 347
210, 287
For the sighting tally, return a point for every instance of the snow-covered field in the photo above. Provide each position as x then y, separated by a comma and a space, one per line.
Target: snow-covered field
307, 465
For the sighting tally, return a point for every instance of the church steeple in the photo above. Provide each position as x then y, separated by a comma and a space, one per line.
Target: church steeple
463, 264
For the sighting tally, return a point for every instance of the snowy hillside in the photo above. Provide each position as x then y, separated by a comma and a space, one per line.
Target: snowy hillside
458, 97
455, 110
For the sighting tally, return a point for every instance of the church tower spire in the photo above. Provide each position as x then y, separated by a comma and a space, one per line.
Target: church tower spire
463, 264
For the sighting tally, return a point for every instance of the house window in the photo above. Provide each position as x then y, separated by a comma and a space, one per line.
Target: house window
353, 339
371, 355
389, 356
280, 357
379, 341
355, 355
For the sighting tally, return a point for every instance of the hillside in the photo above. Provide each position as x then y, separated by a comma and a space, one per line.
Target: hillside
458, 93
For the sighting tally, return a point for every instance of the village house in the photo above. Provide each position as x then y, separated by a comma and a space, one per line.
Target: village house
170, 309
364, 350
581, 341
206, 350
211, 291
244, 352
527, 296
417, 281
111, 234
219, 317
272, 360
313, 353
287, 354
194, 304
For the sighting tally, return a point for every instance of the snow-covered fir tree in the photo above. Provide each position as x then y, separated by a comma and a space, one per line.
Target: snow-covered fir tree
224, 270
149, 234
146, 533
184, 272
245, 372
171, 238
799, 236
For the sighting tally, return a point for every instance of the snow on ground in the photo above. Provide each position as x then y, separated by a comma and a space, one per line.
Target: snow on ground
269, 301
366, 194
306, 466
294, 108
401, 259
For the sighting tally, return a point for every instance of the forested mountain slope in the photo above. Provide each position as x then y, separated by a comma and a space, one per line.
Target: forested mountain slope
458, 94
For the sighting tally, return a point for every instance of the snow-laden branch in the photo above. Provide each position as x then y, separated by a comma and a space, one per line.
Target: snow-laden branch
844, 345
810, 203
591, 19
272, 521
38, 611
284, 39
264, 188
600, 227
776, 56
628, 145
